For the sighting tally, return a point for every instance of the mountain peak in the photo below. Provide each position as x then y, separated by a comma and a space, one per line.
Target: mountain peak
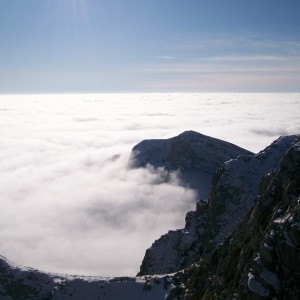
195, 155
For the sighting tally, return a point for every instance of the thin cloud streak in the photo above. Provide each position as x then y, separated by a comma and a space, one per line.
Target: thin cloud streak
210, 67
228, 64
164, 57
232, 64
246, 44
255, 58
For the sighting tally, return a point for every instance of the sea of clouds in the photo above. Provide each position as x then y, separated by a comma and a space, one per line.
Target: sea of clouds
69, 202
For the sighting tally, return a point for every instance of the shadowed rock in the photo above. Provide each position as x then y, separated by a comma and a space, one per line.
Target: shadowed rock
233, 193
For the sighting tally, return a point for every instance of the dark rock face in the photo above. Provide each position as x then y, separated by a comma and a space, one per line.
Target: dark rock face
233, 193
276, 266
178, 248
235, 187
261, 259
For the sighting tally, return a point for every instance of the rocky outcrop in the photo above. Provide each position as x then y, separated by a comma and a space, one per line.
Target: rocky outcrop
261, 258
233, 193
235, 187
275, 268
19, 283
178, 248
195, 155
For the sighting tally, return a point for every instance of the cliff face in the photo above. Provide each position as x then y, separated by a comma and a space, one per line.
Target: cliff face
235, 187
233, 192
261, 258
178, 248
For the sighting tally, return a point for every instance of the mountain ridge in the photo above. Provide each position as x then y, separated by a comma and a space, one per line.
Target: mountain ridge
232, 194
261, 258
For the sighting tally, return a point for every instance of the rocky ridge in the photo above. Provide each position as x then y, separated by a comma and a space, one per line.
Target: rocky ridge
261, 258
20, 283
233, 192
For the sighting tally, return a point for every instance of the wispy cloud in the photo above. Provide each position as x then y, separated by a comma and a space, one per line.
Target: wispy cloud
233, 63
253, 58
239, 45
225, 65
164, 57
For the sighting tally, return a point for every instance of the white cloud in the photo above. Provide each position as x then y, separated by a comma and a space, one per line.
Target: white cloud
70, 204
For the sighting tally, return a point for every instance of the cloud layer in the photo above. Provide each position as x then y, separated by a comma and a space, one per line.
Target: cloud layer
69, 201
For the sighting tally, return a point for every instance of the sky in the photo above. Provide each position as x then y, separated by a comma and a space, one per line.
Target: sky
89, 46
70, 203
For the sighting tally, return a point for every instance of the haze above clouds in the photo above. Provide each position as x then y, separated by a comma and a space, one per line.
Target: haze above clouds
69, 202
57, 46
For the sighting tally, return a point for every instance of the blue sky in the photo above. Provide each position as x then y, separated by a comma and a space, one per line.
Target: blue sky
54, 46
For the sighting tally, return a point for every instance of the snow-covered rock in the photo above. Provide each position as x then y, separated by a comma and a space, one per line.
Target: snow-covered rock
18, 282
235, 187
178, 248
233, 193
261, 258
